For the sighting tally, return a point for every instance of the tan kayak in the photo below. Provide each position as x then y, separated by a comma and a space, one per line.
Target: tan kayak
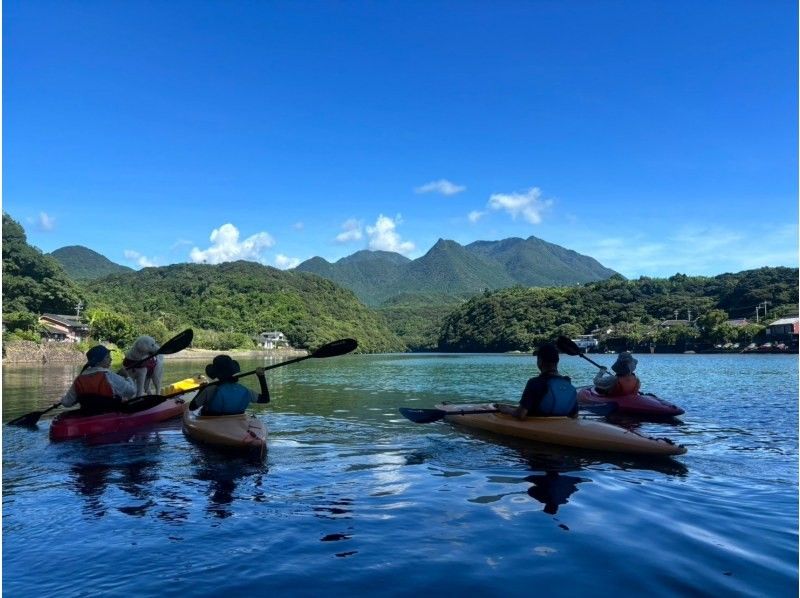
564, 431
243, 432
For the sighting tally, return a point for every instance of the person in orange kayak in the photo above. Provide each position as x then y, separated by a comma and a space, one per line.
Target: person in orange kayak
97, 388
229, 397
623, 381
549, 393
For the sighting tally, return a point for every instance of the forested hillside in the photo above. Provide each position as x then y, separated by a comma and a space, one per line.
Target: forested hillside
521, 318
81, 263
240, 300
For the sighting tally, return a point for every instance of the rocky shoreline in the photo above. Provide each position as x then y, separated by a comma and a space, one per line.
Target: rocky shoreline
28, 352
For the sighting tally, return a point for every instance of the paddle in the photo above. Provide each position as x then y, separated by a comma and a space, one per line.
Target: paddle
173, 345
426, 416
567, 346
332, 349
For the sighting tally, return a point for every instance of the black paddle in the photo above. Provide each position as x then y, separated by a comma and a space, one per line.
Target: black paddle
173, 345
426, 416
332, 349
567, 346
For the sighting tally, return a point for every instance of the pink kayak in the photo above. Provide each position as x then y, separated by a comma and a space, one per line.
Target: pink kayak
71, 424
636, 404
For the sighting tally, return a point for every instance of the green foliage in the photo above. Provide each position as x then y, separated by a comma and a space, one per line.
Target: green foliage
107, 325
517, 319
81, 263
243, 298
21, 321
221, 341
32, 281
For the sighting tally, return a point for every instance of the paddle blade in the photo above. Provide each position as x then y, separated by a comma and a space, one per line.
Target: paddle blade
422, 416
566, 345
29, 420
177, 343
340, 347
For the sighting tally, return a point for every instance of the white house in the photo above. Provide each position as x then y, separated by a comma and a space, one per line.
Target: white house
272, 340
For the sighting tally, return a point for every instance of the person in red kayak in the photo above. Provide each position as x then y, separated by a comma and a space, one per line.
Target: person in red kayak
549, 393
623, 381
229, 397
97, 388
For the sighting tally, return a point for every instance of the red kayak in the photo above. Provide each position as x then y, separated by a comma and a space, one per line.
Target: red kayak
636, 404
72, 424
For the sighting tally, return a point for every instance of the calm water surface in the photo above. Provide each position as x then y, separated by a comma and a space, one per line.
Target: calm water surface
353, 498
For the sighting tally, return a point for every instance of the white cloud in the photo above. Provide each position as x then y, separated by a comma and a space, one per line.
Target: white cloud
226, 247
475, 215
140, 260
46, 222
298, 226
383, 236
285, 262
351, 231
442, 186
527, 204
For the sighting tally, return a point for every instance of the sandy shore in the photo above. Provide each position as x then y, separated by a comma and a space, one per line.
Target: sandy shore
208, 354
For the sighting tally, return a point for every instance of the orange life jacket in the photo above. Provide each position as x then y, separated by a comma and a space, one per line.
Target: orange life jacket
94, 384
626, 385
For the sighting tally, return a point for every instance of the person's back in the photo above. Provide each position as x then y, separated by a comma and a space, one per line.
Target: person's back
229, 398
549, 393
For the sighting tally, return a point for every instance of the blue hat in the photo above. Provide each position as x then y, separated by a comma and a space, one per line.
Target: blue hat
96, 354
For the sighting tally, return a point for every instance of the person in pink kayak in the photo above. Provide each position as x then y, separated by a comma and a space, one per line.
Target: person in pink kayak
229, 397
623, 381
97, 388
549, 393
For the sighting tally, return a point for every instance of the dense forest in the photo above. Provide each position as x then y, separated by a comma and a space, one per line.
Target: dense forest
627, 313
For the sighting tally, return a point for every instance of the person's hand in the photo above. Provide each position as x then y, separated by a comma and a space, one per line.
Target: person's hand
260, 371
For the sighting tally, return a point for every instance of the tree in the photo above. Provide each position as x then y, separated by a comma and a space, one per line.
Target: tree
111, 326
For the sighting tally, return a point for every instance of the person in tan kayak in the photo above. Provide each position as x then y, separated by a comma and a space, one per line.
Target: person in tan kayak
229, 397
549, 393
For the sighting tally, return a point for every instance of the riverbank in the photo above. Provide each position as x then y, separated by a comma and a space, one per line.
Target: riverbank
19, 351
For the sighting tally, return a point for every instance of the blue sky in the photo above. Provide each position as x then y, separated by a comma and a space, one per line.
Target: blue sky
658, 137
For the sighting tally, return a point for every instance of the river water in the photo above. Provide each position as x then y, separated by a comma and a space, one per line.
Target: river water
354, 499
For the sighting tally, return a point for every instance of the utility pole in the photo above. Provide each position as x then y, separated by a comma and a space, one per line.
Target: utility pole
689, 315
757, 306
765, 308
676, 314
78, 309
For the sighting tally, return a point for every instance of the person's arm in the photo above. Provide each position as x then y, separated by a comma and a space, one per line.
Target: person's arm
203, 396
123, 387
514, 410
263, 397
604, 381
70, 397
531, 397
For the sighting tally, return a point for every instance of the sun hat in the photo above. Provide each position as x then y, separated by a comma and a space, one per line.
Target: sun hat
625, 364
222, 367
548, 353
96, 354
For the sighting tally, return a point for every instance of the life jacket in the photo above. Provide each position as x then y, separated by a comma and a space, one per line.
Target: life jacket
560, 398
626, 385
150, 364
95, 384
227, 399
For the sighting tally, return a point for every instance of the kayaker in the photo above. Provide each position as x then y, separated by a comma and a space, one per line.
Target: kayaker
229, 397
549, 393
97, 388
623, 381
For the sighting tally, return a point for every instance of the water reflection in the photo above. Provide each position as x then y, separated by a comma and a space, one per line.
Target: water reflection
225, 473
553, 489
136, 478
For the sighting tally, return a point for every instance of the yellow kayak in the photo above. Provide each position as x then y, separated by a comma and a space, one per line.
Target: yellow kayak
564, 431
242, 432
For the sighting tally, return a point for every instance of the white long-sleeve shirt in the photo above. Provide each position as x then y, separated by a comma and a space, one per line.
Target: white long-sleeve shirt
123, 387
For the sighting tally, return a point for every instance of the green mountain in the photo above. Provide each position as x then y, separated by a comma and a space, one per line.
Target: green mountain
451, 269
245, 298
81, 263
33, 282
536, 263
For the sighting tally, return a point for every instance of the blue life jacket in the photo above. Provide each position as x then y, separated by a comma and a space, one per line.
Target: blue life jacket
229, 399
560, 398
